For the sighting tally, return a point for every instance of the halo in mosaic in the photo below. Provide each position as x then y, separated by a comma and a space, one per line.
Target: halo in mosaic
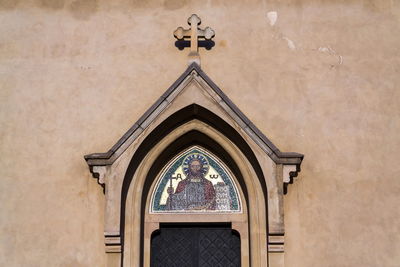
195, 181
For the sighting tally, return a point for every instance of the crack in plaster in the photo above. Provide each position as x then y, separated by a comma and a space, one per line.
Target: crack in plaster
272, 19
330, 51
290, 43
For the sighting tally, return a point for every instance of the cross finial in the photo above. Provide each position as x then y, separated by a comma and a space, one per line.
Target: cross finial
194, 33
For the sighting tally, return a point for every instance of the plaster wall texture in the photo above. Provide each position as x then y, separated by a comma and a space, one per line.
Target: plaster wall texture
317, 77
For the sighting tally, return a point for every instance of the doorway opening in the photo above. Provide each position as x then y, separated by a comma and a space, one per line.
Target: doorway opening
197, 245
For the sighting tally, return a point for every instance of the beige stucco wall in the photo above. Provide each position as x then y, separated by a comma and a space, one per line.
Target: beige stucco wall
323, 80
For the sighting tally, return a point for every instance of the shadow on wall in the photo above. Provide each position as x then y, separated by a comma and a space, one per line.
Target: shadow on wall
207, 44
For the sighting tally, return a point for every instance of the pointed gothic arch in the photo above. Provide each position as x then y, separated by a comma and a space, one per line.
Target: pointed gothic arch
199, 133
180, 117
190, 113
193, 111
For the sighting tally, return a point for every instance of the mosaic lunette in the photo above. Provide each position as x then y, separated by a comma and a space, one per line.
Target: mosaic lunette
195, 181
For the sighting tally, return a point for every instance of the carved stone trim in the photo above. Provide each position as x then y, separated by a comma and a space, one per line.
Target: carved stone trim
112, 242
289, 173
276, 243
99, 172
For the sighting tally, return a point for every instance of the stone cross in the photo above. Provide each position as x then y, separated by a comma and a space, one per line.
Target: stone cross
194, 33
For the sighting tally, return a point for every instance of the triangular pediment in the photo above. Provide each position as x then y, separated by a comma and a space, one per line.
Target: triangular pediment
195, 76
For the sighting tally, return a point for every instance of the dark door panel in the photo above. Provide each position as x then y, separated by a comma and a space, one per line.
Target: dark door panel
195, 246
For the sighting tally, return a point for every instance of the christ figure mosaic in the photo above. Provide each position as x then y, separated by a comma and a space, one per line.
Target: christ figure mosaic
195, 181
